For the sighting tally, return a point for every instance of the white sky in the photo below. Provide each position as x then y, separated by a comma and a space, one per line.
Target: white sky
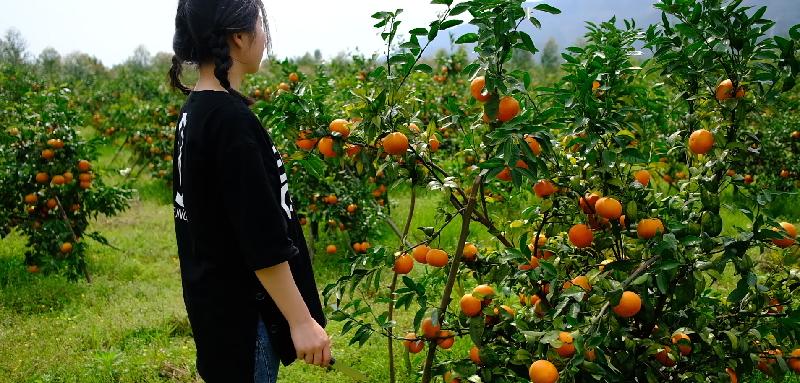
111, 29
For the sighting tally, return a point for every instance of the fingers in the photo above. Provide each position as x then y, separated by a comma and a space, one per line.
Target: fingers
309, 358
318, 357
326, 355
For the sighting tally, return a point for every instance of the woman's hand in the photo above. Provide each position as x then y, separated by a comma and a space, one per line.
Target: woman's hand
311, 342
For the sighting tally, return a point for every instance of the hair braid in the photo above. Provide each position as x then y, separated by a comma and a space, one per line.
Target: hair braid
223, 62
175, 75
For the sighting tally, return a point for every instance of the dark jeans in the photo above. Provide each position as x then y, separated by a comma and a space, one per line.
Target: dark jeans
267, 362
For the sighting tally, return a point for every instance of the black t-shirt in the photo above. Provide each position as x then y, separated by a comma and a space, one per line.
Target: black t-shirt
233, 215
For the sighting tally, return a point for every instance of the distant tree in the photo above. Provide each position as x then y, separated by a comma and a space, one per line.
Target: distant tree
13, 47
550, 57
49, 60
317, 55
79, 65
141, 58
522, 59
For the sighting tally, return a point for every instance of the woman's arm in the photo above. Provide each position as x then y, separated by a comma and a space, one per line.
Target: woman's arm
310, 340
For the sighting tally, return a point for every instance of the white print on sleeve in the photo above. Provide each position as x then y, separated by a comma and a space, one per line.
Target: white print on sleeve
180, 212
287, 207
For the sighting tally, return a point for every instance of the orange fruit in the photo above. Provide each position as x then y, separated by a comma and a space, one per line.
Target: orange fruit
448, 378
446, 339
590, 354
582, 281
351, 208
85, 184
68, 177
544, 188
784, 173
533, 144
794, 360
325, 146
765, 363
420, 253
33, 268
508, 109
306, 143
403, 264
649, 228
413, 127
475, 355
351, 149
59, 180
701, 141
413, 344
340, 125
629, 305
567, 349
663, 357
505, 174
428, 329
42, 178
484, 292
595, 85
48, 154
685, 346
608, 208
732, 374
84, 177
330, 249
66, 247
84, 166
795, 135
470, 305
724, 90
433, 143
581, 236
293, 77
478, 89
643, 176
436, 257
588, 202
283, 86
31, 198
395, 143
356, 247
542, 371
52, 203
470, 252
789, 233
748, 179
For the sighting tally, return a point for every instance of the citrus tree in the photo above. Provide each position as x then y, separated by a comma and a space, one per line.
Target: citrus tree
49, 189
609, 274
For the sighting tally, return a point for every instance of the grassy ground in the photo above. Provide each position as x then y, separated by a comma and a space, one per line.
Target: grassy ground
130, 325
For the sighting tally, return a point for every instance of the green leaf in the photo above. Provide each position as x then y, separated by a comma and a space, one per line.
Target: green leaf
547, 8
467, 38
449, 24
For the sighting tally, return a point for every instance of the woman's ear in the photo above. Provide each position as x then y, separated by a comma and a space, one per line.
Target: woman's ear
238, 40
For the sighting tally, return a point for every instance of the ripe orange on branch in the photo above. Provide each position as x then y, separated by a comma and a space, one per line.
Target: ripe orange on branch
395, 143
544, 188
325, 146
436, 257
470, 305
789, 232
567, 349
581, 236
682, 338
507, 109
629, 305
420, 253
608, 208
403, 264
478, 89
643, 176
429, 330
470, 252
339, 125
649, 228
701, 141
542, 371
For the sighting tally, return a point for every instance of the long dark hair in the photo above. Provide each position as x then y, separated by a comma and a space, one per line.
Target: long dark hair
202, 28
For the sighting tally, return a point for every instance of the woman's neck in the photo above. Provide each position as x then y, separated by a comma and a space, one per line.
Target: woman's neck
208, 81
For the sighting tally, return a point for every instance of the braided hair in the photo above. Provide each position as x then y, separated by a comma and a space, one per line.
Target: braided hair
202, 29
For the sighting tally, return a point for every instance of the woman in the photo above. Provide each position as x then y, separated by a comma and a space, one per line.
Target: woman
247, 280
